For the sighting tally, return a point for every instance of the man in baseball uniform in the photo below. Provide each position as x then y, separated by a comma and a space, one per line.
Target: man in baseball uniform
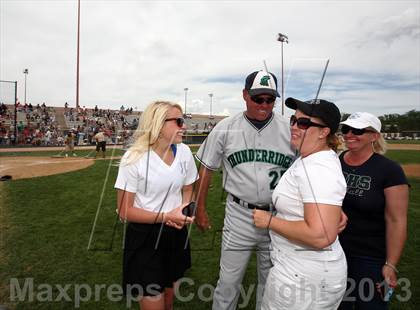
253, 150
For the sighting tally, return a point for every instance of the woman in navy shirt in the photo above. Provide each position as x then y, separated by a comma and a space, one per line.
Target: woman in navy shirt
376, 204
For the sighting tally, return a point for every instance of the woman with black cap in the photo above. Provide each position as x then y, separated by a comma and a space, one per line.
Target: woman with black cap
310, 268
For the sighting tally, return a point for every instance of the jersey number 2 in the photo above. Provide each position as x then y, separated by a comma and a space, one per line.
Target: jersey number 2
274, 181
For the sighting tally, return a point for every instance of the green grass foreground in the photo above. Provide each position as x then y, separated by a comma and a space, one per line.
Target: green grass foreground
46, 225
404, 157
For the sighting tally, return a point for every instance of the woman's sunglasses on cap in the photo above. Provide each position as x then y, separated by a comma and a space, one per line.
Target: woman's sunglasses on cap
180, 121
261, 100
345, 129
304, 122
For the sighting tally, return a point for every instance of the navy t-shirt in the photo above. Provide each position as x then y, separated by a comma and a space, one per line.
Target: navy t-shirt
364, 204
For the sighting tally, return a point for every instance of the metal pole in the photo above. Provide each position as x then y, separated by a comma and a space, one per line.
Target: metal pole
14, 141
282, 81
78, 48
211, 103
185, 101
25, 72
25, 88
282, 38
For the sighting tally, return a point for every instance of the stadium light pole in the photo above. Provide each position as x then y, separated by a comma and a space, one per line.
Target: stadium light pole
25, 72
211, 103
185, 101
282, 38
15, 117
78, 49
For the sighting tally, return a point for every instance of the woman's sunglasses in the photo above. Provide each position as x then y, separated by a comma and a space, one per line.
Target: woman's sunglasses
261, 100
180, 121
357, 132
304, 122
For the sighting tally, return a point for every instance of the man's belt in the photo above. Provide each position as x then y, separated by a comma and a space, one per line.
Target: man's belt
250, 205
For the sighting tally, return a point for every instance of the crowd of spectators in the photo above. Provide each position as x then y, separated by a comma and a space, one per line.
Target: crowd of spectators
117, 125
5, 117
204, 128
37, 125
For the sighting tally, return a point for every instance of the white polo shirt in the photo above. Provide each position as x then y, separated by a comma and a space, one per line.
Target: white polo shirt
158, 185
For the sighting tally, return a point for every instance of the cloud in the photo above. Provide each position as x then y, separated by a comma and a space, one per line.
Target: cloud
392, 29
134, 52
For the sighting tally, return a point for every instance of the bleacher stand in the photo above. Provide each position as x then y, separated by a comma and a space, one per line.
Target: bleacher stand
5, 124
87, 122
42, 125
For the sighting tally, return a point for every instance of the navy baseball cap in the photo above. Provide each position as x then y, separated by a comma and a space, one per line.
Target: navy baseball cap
261, 83
323, 109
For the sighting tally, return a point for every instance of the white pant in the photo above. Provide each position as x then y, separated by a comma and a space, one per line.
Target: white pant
296, 283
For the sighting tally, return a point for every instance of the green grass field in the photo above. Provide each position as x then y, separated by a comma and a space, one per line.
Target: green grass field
46, 224
404, 157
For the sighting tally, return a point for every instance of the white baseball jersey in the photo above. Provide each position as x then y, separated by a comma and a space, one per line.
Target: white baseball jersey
252, 159
156, 184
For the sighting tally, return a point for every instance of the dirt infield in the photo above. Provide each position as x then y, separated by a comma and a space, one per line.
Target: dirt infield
415, 147
412, 170
49, 148
30, 167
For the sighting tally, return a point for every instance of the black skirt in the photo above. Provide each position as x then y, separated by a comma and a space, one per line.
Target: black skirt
154, 258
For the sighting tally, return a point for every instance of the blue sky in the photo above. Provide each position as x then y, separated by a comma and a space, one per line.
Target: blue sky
134, 52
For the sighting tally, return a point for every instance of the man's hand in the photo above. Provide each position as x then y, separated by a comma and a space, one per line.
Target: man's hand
202, 219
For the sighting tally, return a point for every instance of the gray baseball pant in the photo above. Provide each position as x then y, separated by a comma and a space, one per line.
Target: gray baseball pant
240, 238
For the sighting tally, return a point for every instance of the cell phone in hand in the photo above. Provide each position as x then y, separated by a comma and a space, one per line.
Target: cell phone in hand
385, 290
189, 209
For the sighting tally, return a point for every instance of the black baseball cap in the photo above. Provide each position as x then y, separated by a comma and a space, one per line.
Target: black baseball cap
261, 82
323, 109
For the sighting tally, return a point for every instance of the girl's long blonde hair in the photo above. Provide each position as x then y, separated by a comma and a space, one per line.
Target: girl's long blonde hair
147, 133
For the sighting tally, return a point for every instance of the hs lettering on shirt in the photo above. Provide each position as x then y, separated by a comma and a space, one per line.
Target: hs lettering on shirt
357, 184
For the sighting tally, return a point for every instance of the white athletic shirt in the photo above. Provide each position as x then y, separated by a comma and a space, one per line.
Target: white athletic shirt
324, 183
156, 184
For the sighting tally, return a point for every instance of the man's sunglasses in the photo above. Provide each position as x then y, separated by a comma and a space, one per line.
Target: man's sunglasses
180, 121
357, 132
261, 100
304, 122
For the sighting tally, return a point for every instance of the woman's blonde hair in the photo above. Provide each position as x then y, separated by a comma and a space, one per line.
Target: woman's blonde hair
147, 133
379, 145
333, 141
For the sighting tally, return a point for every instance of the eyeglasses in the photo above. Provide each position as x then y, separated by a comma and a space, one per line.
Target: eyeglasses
357, 132
304, 122
261, 100
180, 121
